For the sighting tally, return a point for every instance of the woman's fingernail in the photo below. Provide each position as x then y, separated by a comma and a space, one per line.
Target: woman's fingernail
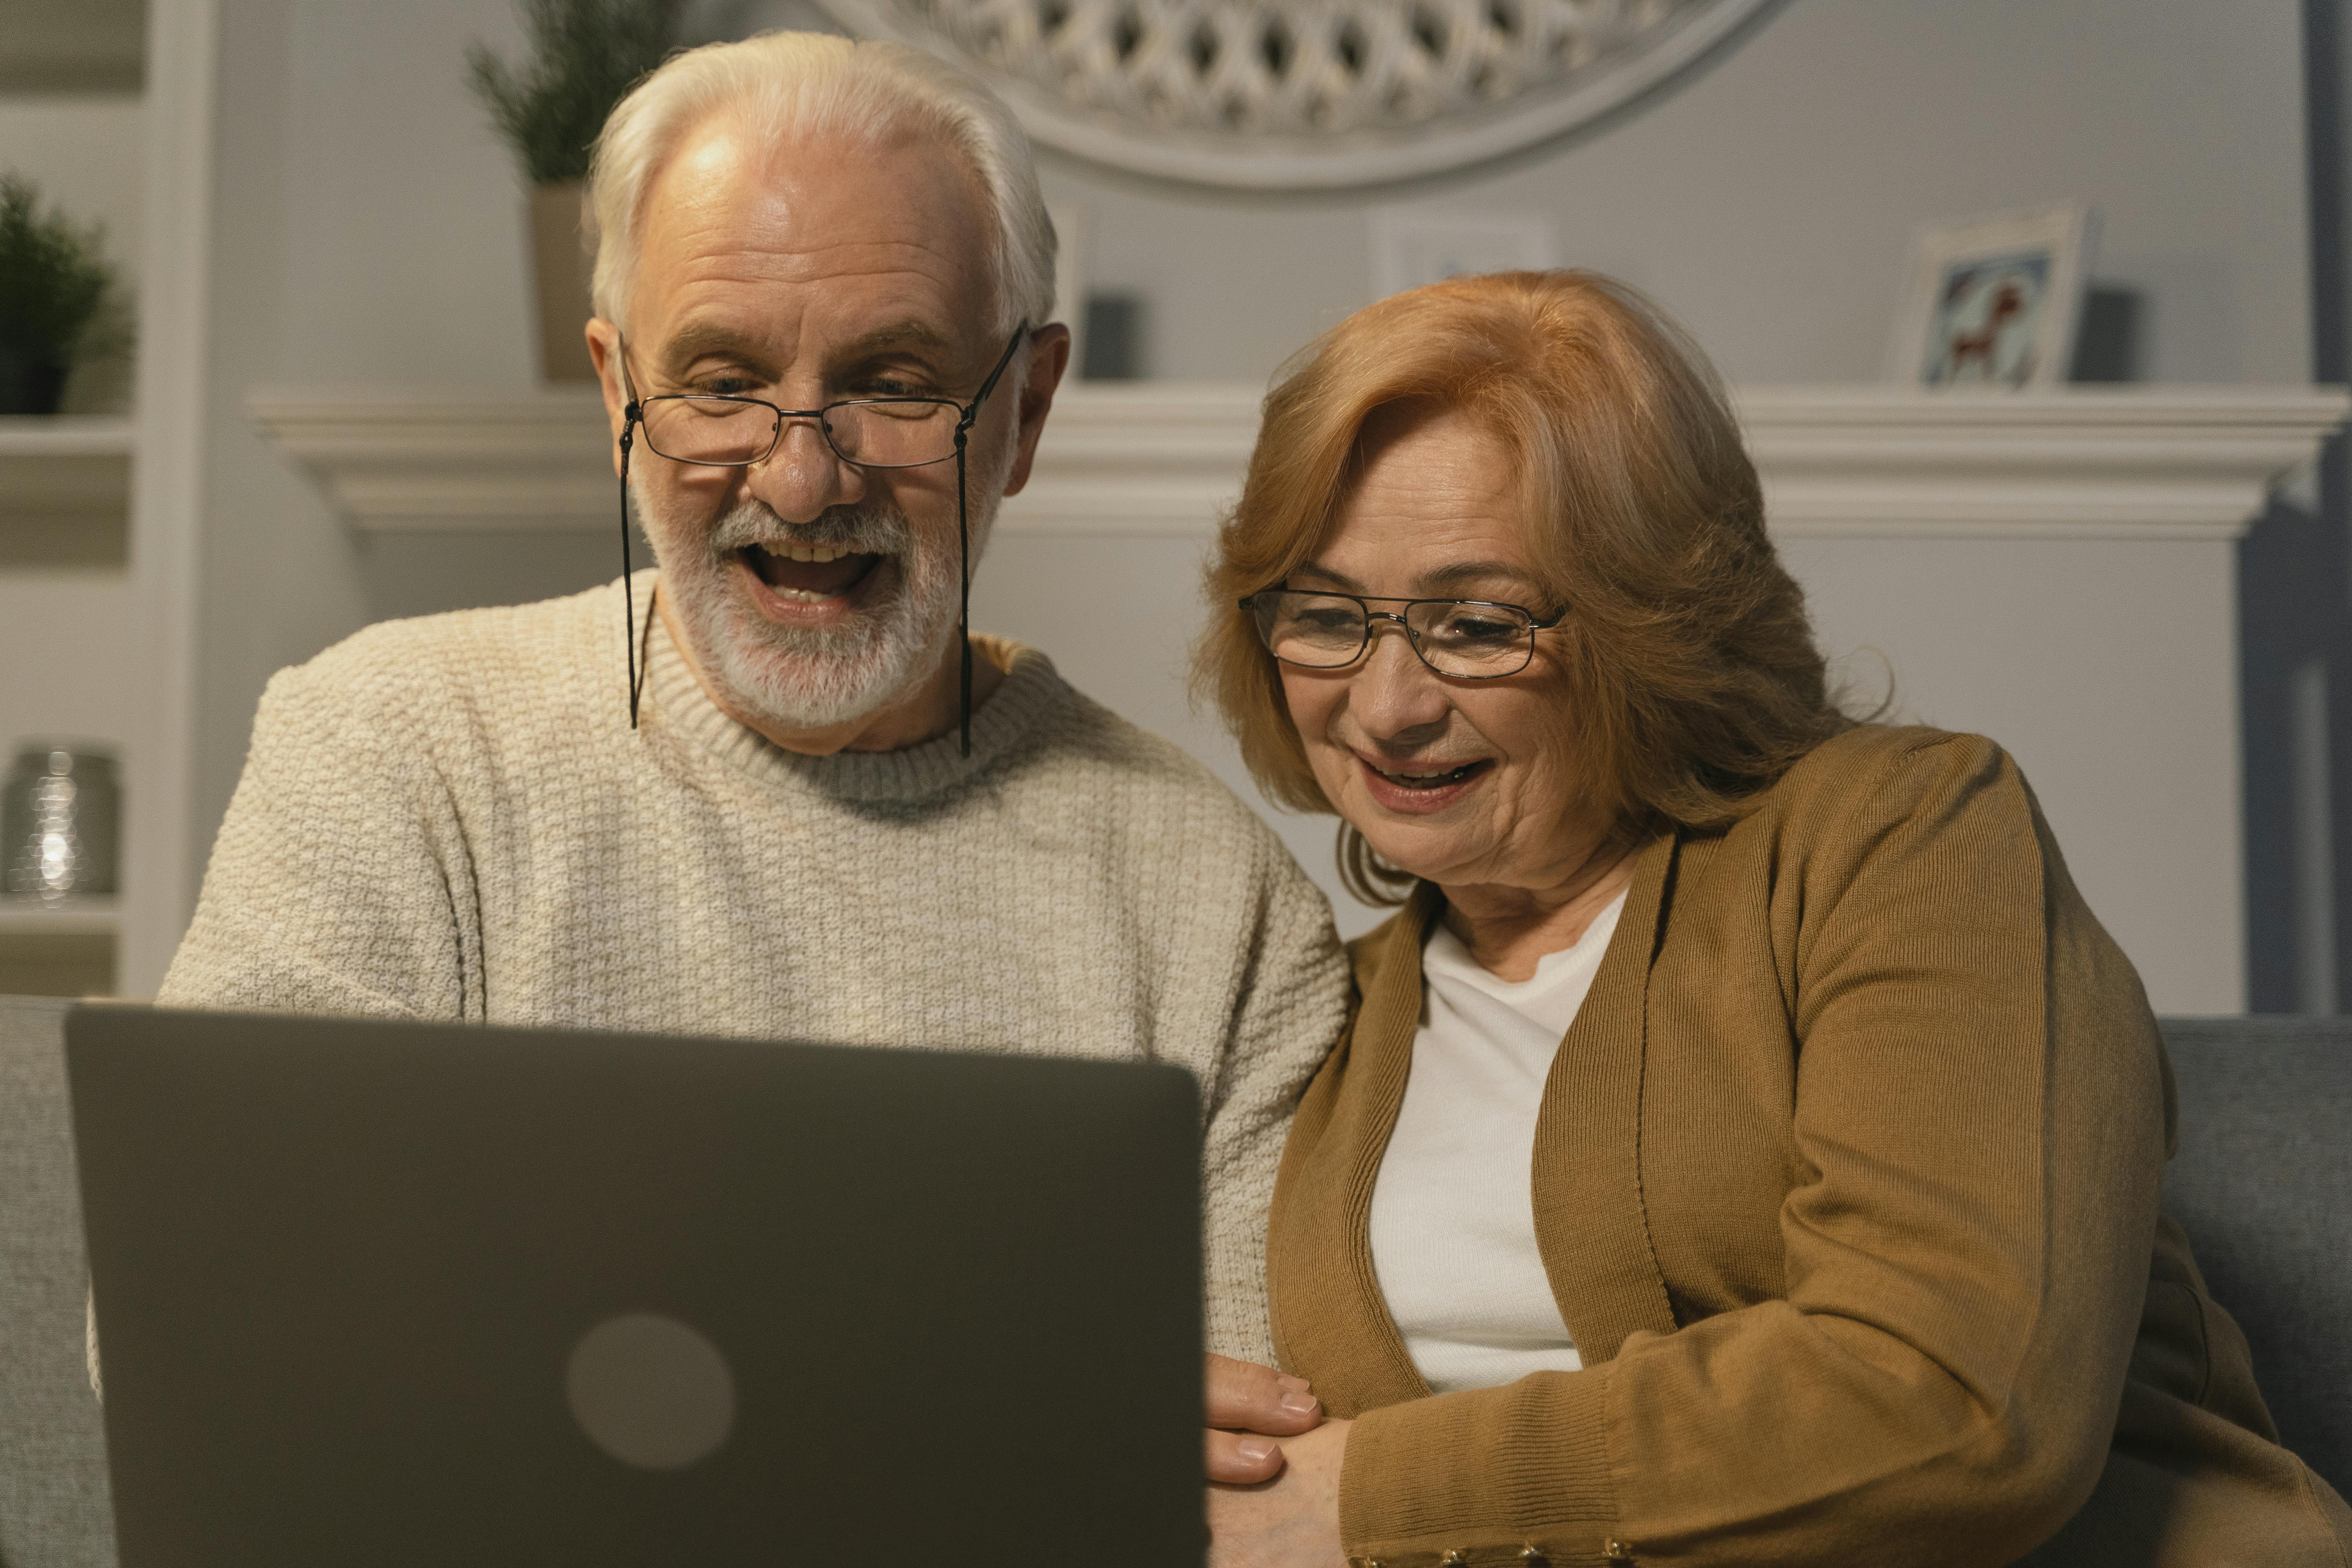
1258, 1451
1298, 1402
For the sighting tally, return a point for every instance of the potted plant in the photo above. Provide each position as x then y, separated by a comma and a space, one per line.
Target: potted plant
586, 54
56, 289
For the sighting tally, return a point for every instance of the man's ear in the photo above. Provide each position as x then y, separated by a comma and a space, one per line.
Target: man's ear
1049, 356
604, 351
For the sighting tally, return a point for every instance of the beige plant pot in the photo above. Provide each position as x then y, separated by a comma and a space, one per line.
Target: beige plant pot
559, 267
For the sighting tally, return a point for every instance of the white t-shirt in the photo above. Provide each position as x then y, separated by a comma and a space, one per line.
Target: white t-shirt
1453, 1223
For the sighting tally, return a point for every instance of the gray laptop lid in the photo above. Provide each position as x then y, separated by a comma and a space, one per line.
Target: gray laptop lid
374, 1292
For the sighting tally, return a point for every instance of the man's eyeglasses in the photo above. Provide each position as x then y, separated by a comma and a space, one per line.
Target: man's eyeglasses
1469, 640
716, 431
737, 432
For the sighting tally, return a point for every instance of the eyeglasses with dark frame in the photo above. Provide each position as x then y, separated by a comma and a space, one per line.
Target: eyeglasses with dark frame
714, 430
1466, 640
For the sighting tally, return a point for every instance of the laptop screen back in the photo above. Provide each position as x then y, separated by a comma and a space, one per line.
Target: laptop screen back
374, 1292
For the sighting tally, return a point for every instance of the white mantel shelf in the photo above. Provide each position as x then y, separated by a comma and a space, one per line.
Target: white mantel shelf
1163, 459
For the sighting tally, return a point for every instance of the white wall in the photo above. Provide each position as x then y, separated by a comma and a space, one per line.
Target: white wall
370, 229
1770, 201
2108, 668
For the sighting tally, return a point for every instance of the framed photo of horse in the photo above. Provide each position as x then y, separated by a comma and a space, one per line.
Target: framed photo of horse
1993, 302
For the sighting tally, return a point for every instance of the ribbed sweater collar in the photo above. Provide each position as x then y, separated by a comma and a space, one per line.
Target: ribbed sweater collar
1031, 690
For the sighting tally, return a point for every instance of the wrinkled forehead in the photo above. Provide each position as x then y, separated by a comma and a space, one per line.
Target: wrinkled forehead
738, 222
1480, 458
1434, 500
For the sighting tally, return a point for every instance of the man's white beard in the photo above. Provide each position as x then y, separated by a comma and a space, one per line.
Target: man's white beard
798, 677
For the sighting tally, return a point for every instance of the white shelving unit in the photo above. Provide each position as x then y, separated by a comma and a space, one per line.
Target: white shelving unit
67, 917
98, 516
68, 625
65, 463
66, 948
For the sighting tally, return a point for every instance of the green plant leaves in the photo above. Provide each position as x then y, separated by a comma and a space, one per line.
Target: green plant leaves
54, 277
587, 54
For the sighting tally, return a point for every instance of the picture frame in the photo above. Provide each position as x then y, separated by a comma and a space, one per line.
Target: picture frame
1993, 303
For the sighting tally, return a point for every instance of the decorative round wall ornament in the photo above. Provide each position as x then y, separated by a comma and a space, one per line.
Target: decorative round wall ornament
1312, 94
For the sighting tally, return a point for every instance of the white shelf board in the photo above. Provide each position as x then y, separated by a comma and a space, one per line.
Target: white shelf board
65, 463
69, 917
1165, 459
66, 435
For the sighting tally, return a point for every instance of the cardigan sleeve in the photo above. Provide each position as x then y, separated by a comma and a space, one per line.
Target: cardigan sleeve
1978, 1130
340, 882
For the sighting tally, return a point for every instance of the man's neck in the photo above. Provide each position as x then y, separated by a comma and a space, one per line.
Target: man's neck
932, 708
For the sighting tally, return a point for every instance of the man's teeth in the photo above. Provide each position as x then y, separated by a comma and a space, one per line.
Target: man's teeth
816, 553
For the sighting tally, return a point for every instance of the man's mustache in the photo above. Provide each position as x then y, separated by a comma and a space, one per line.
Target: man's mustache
867, 528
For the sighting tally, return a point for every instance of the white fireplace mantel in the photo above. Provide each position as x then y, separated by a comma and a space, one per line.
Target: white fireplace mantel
1162, 459
2056, 570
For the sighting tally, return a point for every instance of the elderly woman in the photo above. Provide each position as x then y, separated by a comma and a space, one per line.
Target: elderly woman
1746, 1146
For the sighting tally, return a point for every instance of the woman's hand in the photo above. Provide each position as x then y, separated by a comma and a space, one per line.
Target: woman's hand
1291, 1522
1249, 1406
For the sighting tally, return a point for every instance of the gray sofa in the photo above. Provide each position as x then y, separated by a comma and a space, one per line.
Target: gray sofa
2264, 1183
54, 1512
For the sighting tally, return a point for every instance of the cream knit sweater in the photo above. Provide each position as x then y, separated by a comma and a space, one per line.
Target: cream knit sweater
450, 818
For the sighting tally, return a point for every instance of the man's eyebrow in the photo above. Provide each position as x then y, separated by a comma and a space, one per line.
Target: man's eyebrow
697, 339
911, 333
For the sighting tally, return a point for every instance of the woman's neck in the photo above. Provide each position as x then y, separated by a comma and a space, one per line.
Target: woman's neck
1509, 929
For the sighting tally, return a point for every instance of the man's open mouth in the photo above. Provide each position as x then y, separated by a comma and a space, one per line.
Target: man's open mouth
1411, 780
808, 572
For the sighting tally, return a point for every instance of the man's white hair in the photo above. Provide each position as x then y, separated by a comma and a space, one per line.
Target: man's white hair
789, 86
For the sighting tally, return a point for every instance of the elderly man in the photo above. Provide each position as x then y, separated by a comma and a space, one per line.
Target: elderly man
821, 285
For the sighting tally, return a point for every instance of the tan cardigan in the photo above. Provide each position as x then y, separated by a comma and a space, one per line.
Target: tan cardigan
1845, 1179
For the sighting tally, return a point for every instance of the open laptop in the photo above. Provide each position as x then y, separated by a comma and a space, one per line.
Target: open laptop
394, 1293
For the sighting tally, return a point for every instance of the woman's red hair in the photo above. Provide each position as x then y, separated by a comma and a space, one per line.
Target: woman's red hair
1694, 677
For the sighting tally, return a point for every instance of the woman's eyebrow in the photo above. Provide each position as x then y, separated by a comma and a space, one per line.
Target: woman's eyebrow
1464, 573
1338, 580
1437, 583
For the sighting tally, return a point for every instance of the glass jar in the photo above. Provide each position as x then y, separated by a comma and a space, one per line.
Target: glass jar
60, 815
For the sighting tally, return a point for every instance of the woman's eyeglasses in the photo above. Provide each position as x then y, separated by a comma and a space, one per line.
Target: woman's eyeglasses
1469, 640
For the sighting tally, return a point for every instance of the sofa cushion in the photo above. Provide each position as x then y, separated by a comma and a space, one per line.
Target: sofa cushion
2262, 1183
54, 1507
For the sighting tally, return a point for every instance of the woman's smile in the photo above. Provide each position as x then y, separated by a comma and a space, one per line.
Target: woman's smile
1421, 786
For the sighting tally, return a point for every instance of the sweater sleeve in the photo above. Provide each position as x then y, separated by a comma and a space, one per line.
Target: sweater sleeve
1979, 1137
1290, 1009
339, 882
